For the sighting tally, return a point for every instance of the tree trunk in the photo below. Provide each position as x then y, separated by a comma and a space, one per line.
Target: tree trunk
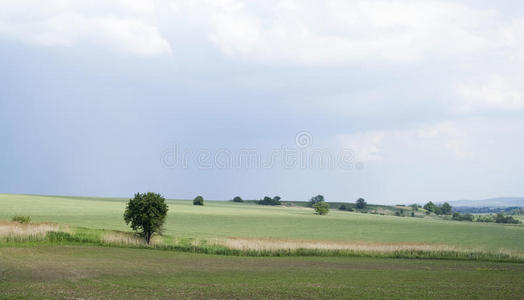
148, 237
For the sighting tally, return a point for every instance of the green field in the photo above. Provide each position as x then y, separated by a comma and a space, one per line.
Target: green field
227, 219
80, 272
84, 270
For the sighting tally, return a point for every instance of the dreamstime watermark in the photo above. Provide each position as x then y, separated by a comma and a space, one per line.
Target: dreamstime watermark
302, 155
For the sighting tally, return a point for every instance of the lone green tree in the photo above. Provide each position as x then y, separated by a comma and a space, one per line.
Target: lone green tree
146, 213
361, 203
321, 208
199, 200
237, 199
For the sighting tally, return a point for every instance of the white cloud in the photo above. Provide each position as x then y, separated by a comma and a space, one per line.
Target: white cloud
316, 32
278, 31
119, 25
482, 140
496, 93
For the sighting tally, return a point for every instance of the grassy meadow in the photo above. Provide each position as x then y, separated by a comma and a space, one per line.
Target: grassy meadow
80, 248
220, 219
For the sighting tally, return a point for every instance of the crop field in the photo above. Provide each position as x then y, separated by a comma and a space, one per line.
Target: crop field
220, 219
83, 272
93, 255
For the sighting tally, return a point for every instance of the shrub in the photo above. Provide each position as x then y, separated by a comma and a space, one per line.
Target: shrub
342, 207
199, 200
21, 219
321, 208
146, 213
500, 218
462, 217
237, 199
485, 219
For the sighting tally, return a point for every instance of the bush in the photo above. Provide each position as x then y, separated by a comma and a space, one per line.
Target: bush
500, 218
269, 201
462, 217
485, 219
321, 208
21, 219
199, 200
146, 214
237, 199
346, 207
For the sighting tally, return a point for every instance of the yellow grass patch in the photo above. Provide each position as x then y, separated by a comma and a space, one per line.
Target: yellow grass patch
14, 230
123, 238
268, 244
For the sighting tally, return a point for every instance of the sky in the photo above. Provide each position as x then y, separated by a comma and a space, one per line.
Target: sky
393, 101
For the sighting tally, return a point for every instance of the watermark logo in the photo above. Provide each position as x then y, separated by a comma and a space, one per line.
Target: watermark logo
303, 139
302, 155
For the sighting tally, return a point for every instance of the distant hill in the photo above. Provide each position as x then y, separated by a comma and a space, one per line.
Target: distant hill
491, 202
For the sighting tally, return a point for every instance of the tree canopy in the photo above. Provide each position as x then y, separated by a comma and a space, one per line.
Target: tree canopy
315, 199
361, 203
199, 200
269, 201
321, 208
146, 213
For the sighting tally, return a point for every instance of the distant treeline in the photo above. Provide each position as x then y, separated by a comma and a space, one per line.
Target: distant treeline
489, 210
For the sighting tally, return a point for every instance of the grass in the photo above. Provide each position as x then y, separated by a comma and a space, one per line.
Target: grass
233, 220
80, 248
90, 272
35, 234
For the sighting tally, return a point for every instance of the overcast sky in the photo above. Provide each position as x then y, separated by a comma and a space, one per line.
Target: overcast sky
412, 100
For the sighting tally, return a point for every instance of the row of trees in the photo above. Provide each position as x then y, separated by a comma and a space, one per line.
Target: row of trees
321, 207
498, 218
360, 204
444, 209
270, 201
